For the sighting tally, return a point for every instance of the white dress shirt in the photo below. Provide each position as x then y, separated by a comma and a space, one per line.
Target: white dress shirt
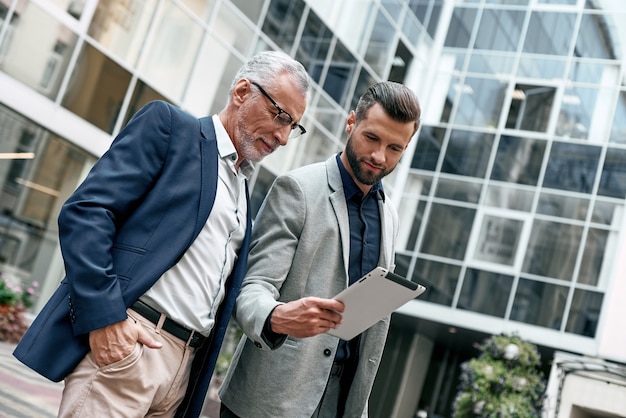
191, 291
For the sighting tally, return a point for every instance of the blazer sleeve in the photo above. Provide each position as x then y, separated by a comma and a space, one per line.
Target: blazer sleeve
275, 237
90, 218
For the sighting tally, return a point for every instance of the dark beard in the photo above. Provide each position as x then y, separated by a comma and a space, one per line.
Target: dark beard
362, 176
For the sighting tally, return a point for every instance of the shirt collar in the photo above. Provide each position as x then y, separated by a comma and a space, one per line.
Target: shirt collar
351, 189
227, 150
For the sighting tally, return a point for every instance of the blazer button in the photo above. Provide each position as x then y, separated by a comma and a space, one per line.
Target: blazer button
327, 352
257, 344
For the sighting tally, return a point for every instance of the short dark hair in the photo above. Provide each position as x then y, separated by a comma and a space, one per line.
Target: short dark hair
399, 102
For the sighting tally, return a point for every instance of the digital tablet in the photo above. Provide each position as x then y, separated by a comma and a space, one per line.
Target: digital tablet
371, 298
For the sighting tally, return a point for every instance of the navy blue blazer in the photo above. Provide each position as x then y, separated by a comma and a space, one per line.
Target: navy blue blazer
141, 206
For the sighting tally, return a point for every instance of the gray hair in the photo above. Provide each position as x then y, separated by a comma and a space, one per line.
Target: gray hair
264, 66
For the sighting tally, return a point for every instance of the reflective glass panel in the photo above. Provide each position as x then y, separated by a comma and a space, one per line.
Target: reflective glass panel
380, 44
584, 313
538, 303
36, 49
491, 63
461, 26
578, 113
552, 249
498, 240
546, 68
550, 33
428, 148
467, 153
282, 21
572, 167
593, 256
313, 48
365, 80
518, 160
613, 180
585, 71
234, 30
410, 212
447, 231
165, 64
531, 106
598, 37
485, 292
203, 8
499, 30
457, 189
251, 8
142, 94
38, 171
618, 129
341, 72
481, 102
507, 197
563, 206
608, 213
440, 279
97, 88
121, 27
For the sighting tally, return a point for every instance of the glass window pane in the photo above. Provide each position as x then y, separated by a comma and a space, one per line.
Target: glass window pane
97, 88
499, 30
485, 292
582, 108
584, 313
36, 49
552, 249
597, 35
546, 68
410, 212
467, 153
618, 129
447, 231
572, 167
593, 256
530, 109
121, 27
613, 180
482, 62
563, 206
340, 75
142, 94
233, 30
458, 189
461, 26
313, 48
210, 77
282, 21
365, 80
518, 160
550, 33
538, 303
203, 8
165, 64
380, 44
440, 280
608, 213
428, 148
498, 240
507, 197
33, 186
585, 71
481, 102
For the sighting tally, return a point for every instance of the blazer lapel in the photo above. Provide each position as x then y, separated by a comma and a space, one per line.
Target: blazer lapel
208, 172
338, 202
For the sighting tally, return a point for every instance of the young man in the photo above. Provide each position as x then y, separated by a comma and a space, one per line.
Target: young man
155, 244
321, 228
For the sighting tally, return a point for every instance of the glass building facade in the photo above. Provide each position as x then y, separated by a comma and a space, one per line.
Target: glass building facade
511, 196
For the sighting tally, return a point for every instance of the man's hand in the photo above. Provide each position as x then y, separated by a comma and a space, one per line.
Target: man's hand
116, 341
306, 317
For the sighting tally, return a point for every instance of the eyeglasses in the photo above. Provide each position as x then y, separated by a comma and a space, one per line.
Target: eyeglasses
282, 117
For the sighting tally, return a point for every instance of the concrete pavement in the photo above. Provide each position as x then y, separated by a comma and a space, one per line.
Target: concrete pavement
24, 393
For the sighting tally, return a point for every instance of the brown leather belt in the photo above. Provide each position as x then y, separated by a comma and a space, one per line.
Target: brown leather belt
191, 337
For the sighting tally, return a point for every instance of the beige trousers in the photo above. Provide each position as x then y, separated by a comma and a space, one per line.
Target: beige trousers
147, 383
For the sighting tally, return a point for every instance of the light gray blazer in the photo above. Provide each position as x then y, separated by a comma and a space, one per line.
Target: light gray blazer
300, 247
